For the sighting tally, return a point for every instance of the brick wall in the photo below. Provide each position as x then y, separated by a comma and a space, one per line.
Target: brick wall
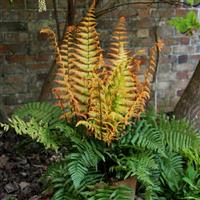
25, 55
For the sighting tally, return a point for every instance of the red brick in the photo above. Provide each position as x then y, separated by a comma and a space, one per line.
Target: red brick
14, 79
195, 57
43, 57
182, 75
19, 58
4, 48
182, 59
185, 40
167, 59
166, 50
12, 69
17, 4
143, 13
170, 41
181, 12
38, 66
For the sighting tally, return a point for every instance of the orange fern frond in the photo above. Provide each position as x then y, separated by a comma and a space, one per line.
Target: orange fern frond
86, 59
105, 103
152, 62
54, 44
144, 92
119, 37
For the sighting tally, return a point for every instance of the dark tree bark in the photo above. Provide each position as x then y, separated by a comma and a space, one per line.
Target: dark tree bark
71, 11
189, 103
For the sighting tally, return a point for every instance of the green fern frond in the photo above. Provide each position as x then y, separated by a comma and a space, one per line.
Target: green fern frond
179, 134
86, 156
140, 165
156, 132
36, 130
77, 169
113, 193
5, 127
62, 178
40, 111
41, 121
171, 170
144, 135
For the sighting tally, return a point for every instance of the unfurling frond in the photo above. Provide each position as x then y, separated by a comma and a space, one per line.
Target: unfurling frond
152, 62
54, 44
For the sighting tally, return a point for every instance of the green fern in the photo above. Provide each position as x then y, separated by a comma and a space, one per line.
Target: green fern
153, 132
36, 130
5, 127
87, 156
41, 121
139, 165
60, 180
112, 193
171, 170
41, 111
144, 135
178, 134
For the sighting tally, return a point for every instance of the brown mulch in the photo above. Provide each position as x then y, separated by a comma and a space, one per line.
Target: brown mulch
22, 163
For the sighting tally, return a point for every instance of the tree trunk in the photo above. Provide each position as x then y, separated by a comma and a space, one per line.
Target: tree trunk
189, 103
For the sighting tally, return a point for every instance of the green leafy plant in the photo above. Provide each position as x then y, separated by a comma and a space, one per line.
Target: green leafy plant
146, 152
187, 24
98, 118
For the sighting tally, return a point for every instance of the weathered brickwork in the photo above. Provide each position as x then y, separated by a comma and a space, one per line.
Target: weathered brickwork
25, 55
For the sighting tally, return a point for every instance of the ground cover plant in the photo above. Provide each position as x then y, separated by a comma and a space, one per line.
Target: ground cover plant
99, 127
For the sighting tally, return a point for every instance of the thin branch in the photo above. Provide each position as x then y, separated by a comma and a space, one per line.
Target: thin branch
71, 12
56, 19
172, 3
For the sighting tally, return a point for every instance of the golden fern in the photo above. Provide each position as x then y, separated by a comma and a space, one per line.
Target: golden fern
144, 88
119, 37
107, 102
110, 103
54, 44
86, 59
62, 90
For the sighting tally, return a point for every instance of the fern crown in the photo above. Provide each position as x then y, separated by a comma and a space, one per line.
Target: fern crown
101, 97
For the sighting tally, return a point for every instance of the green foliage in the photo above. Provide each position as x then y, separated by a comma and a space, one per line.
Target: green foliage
193, 2
153, 150
5, 127
156, 132
113, 193
186, 24
41, 121
140, 165
86, 156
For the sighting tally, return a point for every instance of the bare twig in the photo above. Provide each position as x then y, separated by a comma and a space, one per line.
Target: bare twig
71, 11
56, 19
109, 8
